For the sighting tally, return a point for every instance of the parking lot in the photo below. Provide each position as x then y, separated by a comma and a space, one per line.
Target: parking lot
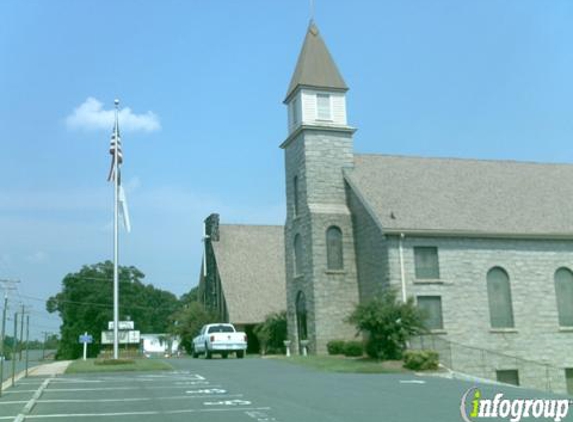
173, 396
239, 390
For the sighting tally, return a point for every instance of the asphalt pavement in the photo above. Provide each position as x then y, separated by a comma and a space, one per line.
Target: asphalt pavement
240, 390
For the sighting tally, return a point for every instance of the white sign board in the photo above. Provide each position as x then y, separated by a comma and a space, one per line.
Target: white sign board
121, 325
124, 337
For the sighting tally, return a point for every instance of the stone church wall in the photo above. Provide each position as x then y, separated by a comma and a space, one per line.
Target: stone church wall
536, 336
371, 250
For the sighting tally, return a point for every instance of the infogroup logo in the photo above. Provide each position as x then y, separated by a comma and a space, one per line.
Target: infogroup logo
478, 408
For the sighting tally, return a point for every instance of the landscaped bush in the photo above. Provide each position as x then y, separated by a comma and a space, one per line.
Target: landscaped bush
272, 333
421, 360
353, 349
335, 347
388, 323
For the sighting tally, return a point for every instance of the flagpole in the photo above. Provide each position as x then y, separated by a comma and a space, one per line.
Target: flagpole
115, 238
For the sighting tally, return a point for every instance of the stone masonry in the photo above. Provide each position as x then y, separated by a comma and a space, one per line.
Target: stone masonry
316, 158
531, 265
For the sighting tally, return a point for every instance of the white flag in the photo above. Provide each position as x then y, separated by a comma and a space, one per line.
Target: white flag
123, 209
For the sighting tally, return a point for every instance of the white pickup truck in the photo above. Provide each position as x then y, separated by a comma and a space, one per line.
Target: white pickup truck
219, 338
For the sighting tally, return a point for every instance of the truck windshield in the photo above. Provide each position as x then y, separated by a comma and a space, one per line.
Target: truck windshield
221, 329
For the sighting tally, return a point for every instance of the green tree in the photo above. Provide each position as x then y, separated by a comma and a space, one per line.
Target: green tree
191, 296
86, 304
8, 346
388, 324
189, 320
52, 342
272, 332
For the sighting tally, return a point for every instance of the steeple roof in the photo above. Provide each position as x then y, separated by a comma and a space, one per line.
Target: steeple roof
315, 67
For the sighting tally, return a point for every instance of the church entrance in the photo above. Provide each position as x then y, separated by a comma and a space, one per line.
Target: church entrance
301, 319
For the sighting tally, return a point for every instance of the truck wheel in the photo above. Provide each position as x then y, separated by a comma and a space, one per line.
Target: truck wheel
208, 354
194, 354
225, 355
240, 354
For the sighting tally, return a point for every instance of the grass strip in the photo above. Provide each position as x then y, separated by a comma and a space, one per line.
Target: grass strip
342, 364
108, 365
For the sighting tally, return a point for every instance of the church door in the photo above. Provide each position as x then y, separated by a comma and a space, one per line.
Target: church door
301, 317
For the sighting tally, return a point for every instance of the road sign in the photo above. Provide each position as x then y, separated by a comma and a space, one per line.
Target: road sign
86, 339
124, 337
121, 325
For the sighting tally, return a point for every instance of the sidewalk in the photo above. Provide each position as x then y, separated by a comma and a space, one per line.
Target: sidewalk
45, 370
50, 369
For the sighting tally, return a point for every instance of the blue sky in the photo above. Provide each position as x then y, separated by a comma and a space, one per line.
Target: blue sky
204, 82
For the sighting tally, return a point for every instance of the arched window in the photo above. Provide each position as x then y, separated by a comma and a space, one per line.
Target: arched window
334, 248
297, 255
301, 316
499, 295
295, 196
564, 293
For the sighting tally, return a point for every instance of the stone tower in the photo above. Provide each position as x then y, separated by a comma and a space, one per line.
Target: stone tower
322, 286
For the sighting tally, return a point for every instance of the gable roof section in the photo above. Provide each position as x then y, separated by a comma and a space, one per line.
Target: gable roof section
414, 194
251, 265
315, 66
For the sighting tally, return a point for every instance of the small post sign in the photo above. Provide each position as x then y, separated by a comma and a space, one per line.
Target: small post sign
85, 339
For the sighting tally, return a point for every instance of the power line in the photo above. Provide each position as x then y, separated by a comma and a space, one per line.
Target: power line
102, 305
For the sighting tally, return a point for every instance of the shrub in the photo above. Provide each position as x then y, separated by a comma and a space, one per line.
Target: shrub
272, 333
388, 323
335, 347
353, 349
421, 360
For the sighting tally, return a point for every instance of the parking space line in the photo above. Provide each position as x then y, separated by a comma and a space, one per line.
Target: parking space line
203, 396
30, 405
100, 381
131, 388
146, 413
138, 378
67, 390
120, 380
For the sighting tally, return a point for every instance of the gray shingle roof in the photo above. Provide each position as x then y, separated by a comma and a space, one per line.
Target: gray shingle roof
315, 66
457, 195
251, 264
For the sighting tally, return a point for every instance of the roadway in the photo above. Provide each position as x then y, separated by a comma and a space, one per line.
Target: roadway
262, 390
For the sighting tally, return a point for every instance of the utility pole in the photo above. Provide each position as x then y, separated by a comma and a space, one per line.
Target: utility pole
21, 343
15, 342
21, 333
27, 340
44, 344
7, 285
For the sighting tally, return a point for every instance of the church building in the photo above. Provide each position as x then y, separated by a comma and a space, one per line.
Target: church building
485, 246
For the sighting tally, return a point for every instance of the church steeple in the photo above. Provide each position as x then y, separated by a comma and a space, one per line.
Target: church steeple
318, 148
316, 93
315, 67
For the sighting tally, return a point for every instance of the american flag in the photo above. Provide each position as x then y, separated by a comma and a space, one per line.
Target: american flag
116, 143
112, 146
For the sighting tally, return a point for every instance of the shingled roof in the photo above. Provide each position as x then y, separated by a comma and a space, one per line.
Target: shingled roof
251, 265
315, 67
465, 196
